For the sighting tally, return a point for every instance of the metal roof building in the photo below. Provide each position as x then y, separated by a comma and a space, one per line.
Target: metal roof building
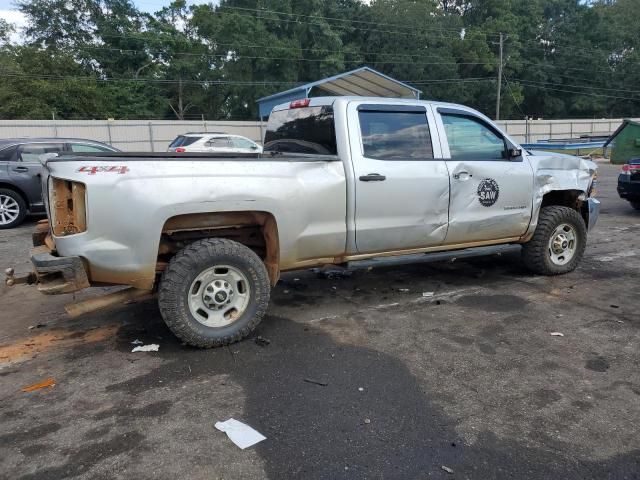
363, 81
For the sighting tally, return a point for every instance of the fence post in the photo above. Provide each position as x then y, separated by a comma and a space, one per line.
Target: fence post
151, 137
109, 131
55, 125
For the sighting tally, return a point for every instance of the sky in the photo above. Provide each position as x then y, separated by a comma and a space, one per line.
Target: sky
9, 13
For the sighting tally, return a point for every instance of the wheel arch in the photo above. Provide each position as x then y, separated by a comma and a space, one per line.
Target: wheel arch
257, 230
12, 187
572, 198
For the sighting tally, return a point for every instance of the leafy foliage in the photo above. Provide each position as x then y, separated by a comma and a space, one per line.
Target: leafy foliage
106, 58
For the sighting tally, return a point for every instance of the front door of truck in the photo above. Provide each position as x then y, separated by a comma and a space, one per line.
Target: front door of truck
401, 182
491, 192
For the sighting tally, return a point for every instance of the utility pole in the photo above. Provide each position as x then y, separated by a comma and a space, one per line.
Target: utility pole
499, 79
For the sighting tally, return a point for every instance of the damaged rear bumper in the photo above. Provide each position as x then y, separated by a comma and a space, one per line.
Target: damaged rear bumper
57, 275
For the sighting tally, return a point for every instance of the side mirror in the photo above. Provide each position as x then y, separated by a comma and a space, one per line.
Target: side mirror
515, 153
254, 147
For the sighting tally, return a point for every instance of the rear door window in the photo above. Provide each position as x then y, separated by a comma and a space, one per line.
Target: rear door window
83, 147
391, 135
219, 142
301, 130
8, 154
239, 142
31, 152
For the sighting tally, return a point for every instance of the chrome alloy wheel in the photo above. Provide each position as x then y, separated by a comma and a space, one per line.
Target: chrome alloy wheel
562, 244
219, 295
9, 210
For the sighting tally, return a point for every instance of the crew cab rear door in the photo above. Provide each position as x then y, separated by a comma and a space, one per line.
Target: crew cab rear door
491, 193
401, 182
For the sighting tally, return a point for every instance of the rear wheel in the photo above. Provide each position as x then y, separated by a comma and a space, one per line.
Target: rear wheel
636, 204
558, 243
214, 292
13, 209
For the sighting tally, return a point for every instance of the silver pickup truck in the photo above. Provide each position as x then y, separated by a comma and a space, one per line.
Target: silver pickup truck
340, 179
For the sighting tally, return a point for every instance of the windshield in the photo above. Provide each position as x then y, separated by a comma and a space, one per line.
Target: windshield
301, 130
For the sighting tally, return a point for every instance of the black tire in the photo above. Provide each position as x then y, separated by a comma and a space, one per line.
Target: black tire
22, 208
535, 253
185, 267
636, 204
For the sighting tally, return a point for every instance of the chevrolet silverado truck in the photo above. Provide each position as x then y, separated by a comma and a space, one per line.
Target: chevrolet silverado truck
341, 179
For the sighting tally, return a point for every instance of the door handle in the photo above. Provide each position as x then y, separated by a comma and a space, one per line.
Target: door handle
20, 169
372, 177
463, 175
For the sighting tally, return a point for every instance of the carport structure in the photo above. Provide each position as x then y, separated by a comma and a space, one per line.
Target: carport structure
363, 81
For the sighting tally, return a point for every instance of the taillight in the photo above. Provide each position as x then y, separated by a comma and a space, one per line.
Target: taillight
629, 169
300, 103
181, 150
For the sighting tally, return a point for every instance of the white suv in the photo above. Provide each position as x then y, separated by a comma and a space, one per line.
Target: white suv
213, 142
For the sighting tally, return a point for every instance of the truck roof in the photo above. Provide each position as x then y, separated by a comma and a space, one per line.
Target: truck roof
319, 101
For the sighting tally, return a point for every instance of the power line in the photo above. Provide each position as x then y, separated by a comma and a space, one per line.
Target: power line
541, 87
213, 82
580, 86
151, 51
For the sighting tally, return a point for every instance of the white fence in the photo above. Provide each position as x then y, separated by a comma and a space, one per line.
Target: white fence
155, 135
127, 135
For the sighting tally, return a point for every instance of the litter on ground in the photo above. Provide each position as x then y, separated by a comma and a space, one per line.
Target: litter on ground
242, 435
153, 347
557, 334
49, 382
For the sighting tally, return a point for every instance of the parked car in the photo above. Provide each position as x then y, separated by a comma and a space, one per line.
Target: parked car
20, 172
214, 142
373, 177
629, 182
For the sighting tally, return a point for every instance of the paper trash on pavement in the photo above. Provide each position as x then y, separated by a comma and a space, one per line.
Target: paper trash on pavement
146, 348
242, 435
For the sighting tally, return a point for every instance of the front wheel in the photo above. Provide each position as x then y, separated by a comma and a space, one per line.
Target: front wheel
636, 204
558, 243
214, 292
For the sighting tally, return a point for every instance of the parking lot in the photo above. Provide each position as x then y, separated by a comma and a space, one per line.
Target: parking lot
395, 370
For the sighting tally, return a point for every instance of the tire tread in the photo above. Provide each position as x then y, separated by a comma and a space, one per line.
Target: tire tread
177, 272
534, 252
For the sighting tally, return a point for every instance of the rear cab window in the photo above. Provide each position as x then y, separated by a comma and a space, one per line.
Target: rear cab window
307, 130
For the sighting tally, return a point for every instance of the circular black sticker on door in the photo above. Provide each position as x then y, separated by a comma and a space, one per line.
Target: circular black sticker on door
488, 192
